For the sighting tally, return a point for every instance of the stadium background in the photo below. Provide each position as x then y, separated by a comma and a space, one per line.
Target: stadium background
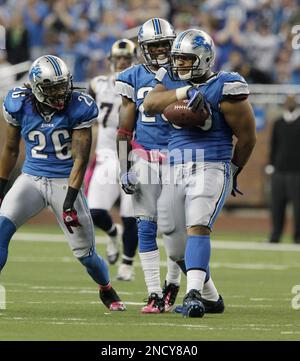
48, 295
253, 37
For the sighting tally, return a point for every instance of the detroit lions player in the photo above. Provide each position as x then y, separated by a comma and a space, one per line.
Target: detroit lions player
201, 185
55, 123
104, 188
151, 133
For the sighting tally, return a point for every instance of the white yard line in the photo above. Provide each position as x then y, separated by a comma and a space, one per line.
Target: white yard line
221, 244
137, 264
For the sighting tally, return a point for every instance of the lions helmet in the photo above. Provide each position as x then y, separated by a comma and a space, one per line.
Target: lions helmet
198, 45
122, 48
153, 31
51, 81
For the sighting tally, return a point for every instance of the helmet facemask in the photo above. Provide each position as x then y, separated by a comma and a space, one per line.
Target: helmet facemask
55, 95
184, 72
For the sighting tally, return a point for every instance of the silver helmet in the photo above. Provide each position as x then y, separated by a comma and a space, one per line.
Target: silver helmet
125, 48
155, 31
198, 45
50, 81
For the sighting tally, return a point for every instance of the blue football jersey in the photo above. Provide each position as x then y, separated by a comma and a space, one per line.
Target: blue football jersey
48, 139
152, 132
215, 137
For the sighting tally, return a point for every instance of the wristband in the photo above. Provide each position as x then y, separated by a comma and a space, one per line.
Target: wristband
181, 93
70, 198
122, 131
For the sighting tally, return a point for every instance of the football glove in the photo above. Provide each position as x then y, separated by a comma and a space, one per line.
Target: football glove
235, 170
129, 182
197, 102
71, 219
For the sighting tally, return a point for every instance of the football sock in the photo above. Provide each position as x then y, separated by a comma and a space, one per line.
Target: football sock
130, 237
174, 272
147, 231
195, 280
210, 292
7, 229
127, 260
113, 231
96, 268
197, 255
150, 264
103, 220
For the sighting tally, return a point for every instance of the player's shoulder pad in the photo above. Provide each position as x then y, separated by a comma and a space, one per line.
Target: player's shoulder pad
83, 110
96, 81
14, 99
233, 84
125, 82
13, 103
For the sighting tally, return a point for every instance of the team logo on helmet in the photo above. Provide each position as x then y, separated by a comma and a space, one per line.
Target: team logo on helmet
36, 71
199, 41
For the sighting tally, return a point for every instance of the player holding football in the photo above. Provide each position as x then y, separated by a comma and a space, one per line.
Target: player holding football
151, 133
55, 122
104, 188
225, 94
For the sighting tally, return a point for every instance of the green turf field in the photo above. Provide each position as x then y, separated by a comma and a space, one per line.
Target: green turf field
50, 297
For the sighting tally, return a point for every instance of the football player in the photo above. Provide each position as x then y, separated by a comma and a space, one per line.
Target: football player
202, 181
155, 39
55, 122
104, 187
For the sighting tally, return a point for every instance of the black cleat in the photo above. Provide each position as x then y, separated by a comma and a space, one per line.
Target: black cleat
111, 300
192, 304
210, 306
170, 293
214, 306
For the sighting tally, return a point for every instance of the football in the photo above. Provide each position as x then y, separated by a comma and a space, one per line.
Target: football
178, 113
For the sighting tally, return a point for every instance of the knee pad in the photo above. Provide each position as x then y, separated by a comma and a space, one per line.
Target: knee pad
147, 231
102, 219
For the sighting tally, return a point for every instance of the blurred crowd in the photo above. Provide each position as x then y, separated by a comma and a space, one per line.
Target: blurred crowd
253, 37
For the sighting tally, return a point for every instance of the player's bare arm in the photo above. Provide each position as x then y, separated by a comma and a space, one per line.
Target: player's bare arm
158, 99
239, 116
10, 151
9, 156
127, 119
81, 146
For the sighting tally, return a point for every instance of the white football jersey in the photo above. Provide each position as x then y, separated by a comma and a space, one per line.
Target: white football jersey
109, 103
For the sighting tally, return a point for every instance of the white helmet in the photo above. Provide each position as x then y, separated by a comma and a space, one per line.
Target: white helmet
195, 43
51, 81
156, 30
123, 47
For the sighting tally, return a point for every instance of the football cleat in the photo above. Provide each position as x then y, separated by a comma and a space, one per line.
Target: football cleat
111, 300
125, 272
155, 304
170, 292
214, 306
113, 245
210, 306
192, 304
